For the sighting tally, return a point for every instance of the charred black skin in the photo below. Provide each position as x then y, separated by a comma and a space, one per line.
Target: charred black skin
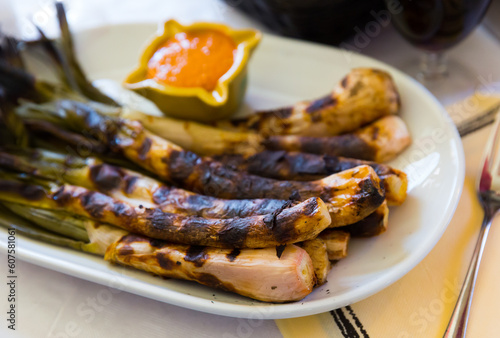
347, 145
367, 227
314, 109
12, 163
47, 131
194, 173
257, 231
27, 191
213, 178
281, 113
233, 255
195, 255
107, 178
284, 165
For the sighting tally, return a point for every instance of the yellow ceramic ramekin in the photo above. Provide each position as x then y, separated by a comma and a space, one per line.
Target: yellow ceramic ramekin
196, 103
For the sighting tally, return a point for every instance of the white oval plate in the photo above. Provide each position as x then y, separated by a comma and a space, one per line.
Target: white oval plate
283, 71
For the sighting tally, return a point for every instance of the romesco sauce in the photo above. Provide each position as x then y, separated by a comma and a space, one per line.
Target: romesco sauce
192, 59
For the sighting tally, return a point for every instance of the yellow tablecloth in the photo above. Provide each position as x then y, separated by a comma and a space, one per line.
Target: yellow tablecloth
420, 304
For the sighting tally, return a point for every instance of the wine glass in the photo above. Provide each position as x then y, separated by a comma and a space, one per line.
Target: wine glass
433, 26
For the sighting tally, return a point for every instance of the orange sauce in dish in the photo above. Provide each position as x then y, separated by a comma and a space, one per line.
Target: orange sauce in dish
192, 59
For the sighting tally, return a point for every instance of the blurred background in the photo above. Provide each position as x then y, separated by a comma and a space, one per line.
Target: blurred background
325, 21
493, 18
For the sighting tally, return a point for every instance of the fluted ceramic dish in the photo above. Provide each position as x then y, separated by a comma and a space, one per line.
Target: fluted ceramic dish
282, 72
196, 103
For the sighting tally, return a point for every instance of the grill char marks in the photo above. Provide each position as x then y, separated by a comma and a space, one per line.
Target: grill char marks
207, 206
120, 209
180, 164
196, 255
144, 148
129, 183
320, 104
344, 82
165, 262
157, 243
161, 194
214, 282
233, 255
259, 122
99, 126
159, 222
279, 250
94, 203
298, 166
48, 131
62, 197
153, 222
336, 164
12, 163
372, 225
361, 97
281, 113
27, 191
108, 178
369, 188
234, 234
105, 177
316, 108
375, 133
126, 250
212, 178
348, 145
282, 229
253, 231
125, 244
279, 116
288, 278
289, 225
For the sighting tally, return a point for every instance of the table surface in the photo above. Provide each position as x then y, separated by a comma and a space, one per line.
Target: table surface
52, 304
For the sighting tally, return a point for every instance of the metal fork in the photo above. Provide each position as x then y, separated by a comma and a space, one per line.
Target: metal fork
488, 189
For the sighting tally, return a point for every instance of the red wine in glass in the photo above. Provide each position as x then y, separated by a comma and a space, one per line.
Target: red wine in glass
434, 26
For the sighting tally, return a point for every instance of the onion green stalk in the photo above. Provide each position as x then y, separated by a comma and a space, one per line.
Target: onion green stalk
58, 222
129, 186
12, 129
10, 51
74, 71
307, 218
100, 236
18, 83
289, 276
